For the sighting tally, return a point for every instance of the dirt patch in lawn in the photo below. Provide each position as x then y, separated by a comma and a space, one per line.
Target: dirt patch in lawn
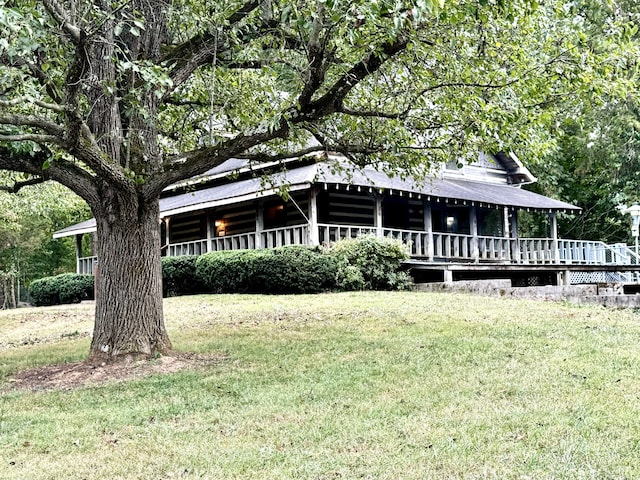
68, 376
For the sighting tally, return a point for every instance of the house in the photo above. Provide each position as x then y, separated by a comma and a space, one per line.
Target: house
462, 219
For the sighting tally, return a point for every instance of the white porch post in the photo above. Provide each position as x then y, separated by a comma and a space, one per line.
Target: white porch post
378, 214
167, 236
314, 234
78, 252
473, 224
505, 222
555, 251
259, 223
428, 226
211, 230
505, 232
512, 218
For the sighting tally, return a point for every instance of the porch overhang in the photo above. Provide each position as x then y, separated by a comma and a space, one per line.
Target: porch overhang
464, 192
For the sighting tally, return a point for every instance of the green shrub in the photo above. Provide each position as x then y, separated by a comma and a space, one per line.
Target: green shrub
61, 289
179, 276
227, 271
370, 263
293, 269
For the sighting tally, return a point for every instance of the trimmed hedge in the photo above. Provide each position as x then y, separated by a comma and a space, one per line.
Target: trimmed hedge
226, 271
363, 263
371, 263
64, 288
179, 276
293, 269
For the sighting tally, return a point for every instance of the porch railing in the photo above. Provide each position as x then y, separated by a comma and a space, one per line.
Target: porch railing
436, 245
187, 248
421, 244
332, 233
280, 237
239, 241
85, 265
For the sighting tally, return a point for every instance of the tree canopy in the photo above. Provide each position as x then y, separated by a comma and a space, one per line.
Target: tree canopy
151, 92
119, 99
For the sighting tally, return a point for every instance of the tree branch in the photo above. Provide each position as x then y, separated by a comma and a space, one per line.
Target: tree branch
58, 13
31, 137
20, 100
317, 68
17, 186
283, 156
67, 173
200, 49
32, 121
333, 100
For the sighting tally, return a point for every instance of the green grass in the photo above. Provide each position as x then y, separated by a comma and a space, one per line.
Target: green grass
355, 385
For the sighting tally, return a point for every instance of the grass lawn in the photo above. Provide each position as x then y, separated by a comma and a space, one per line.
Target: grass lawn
354, 385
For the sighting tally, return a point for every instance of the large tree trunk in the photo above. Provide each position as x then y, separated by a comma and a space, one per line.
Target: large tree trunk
129, 320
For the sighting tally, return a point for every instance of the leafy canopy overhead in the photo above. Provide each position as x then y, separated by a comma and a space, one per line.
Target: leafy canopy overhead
142, 93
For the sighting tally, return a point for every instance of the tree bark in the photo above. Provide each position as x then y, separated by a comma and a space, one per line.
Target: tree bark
129, 320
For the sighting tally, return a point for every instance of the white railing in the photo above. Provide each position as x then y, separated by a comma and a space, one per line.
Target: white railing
417, 241
499, 249
535, 250
332, 233
454, 246
240, 241
574, 252
433, 246
280, 237
187, 248
85, 265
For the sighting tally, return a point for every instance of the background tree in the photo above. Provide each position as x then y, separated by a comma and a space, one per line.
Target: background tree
119, 99
597, 159
597, 167
28, 218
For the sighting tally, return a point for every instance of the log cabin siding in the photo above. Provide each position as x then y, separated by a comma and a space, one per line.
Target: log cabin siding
346, 208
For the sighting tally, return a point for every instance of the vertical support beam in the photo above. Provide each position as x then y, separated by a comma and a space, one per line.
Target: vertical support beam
555, 251
512, 218
448, 276
259, 223
211, 229
314, 234
378, 216
428, 226
78, 252
506, 230
167, 232
473, 224
508, 251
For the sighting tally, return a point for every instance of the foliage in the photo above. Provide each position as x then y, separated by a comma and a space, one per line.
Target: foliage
597, 168
371, 263
61, 289
27, 221
119, 100
179, 276
293, 269
227, 271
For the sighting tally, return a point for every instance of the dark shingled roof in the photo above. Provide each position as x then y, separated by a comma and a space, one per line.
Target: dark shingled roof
489, 194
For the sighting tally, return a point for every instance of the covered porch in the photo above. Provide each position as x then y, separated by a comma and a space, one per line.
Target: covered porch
437, 231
